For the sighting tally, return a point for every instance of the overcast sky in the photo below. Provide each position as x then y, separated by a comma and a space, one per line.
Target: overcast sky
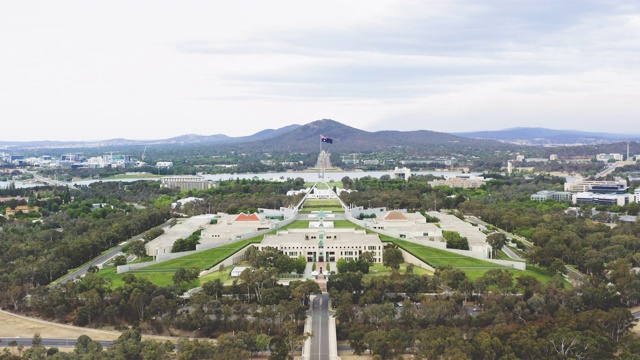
87, 70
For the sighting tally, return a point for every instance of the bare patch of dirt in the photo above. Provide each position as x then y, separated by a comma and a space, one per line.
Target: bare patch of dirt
12, 325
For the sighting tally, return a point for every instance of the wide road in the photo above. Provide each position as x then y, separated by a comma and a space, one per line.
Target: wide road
98, 260
103, 258
320, 328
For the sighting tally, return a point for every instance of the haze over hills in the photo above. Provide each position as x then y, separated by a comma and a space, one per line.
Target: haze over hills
178, 140
542, 136
304, 138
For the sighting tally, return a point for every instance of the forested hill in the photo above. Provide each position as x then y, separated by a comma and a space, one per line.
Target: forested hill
348, 139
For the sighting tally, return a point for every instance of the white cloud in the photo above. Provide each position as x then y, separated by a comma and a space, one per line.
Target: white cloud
89, 69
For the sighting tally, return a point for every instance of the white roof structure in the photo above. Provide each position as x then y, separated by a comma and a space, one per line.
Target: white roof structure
477, 239
238, 270
229, 227
404, 225
185, 227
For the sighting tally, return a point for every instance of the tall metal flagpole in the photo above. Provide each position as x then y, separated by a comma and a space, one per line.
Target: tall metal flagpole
321, 160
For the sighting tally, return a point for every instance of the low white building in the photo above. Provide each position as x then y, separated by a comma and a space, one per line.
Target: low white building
581, 185
602, 199
186, 182
405, 225
234, 227
325, 245
164, 164
237, 271
401, 173
460, 181
607, 157
545, 195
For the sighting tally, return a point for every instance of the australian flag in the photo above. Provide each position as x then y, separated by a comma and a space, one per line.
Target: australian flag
326, 139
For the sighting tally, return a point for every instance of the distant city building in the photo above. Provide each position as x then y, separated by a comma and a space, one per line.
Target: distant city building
110, 160
71, 161
579, 160
460, 181
536, 160
601, 192
441, 161
164, 164
545, 195
401, 173
350, 160
602, 199
371, 162
553, 157
586, 185
324, 160
607, 157
636, 194
187, 182
609, 189
520, 158
71, 157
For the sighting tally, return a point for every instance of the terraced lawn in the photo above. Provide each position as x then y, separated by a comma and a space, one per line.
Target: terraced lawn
304, 224
321, 204
161, 274
473, 268
437, 257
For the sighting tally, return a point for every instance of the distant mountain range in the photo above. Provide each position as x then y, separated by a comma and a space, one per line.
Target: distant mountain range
216, 139
542, 136
306, 138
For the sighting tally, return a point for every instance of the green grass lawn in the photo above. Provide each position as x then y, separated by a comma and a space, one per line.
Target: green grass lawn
322, 186
322, 202
473, 268
303, 224
379, 269
222, 275
161, 274
327, 209
438, 257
